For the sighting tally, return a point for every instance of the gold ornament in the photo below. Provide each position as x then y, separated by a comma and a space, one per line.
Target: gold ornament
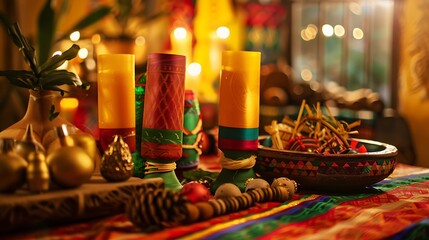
12, 167
28, 143
88, 143
82, 140
69, 166
117, 163
37, 172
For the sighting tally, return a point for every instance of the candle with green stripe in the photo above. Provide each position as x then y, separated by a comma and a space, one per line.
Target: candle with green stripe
238, 116
138, 160
161, 142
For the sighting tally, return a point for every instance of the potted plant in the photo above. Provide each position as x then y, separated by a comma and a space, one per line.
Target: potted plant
46, 83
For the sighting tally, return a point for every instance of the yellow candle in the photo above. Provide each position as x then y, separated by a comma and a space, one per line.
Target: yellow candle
239, 89
69, 107
116, 98
116, 103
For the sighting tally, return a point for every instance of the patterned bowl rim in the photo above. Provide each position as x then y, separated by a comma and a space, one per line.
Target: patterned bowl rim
389, 150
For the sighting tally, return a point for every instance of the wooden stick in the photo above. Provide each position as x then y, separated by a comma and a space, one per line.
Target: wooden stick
301, 109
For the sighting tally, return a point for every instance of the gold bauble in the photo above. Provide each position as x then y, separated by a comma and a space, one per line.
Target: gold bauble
12, 167
117, 163
82, 140
88, 143
70, 166
28, 144
37, 172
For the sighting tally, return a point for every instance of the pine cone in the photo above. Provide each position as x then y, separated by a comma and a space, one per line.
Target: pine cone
155, 209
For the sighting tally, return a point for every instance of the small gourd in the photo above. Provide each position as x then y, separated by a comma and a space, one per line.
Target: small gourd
12, 167
28, 143
37, 172
69, 166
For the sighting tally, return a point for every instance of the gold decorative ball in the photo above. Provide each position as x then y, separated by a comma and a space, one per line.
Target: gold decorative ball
12, 172
70, 166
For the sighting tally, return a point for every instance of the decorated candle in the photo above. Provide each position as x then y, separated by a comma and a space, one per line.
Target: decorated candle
239, 101
161, 143
238, 116
192, 133
138, 161
116, 101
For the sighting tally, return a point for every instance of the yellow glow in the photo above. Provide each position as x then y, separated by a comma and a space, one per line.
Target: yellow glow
315, 86
304, 35
69, 103
140, 41
96, 39
75, 36
327, 30
194, 69
90, 64
306, 74
180, 33
311, 31
222, 32
339, 30
83, 53
355, 8
358, 33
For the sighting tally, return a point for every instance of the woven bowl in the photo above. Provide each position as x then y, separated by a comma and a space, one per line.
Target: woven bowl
334, 172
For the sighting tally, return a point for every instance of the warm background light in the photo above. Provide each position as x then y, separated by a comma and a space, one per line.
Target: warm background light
327, 30
75, 36
194, 69
180, 33
140, 41
83, 53
339, 31
357, 33
222, 32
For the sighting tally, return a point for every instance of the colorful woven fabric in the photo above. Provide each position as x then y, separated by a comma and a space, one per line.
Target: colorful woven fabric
396, 208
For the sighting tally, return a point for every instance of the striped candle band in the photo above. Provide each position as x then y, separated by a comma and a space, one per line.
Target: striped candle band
237, 145
238, 133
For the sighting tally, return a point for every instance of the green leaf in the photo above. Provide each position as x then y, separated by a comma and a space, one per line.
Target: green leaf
20, 78
26, 49
57, 89
58, 78
55, 61
85, 85
21, 82
88, 20
46, 31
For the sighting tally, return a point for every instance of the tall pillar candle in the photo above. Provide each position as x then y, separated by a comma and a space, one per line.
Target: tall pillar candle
161, 143
238, 116
116, 102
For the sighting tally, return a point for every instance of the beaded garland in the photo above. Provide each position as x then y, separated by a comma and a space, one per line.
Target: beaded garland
162, 208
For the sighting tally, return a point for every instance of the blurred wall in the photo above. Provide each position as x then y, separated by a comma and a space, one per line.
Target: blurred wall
414, 75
